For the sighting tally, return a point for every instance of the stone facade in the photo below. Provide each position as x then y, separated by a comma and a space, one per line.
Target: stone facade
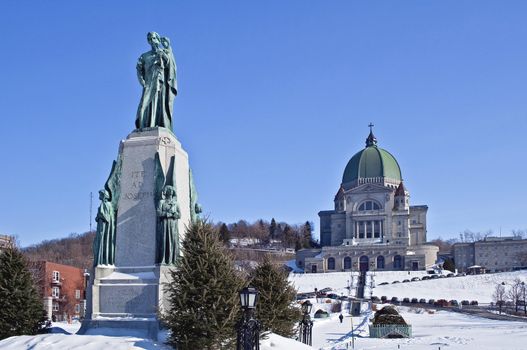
495, 254
372, 225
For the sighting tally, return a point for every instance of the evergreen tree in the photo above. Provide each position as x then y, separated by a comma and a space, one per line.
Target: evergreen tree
272, 229
225, 234
21, 308
204, 293
288, 237
449, 265
276, 308
306, 232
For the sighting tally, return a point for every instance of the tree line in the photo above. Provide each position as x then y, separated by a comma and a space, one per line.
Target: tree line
77, 249
262, 233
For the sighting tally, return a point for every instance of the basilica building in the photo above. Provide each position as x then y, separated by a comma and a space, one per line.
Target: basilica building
372, 226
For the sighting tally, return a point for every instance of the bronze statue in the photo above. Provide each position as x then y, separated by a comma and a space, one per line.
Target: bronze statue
168, 214
156, 71
104, 242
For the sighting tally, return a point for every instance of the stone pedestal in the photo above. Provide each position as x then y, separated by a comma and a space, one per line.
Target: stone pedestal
129, 294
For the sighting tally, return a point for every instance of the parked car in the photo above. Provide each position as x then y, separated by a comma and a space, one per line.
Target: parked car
415, 279
434, 277
332, 296
474, 302
394, 282
406, 300
383, 283
431, 301
450, 275
406, 281
425, 278
414, 301
384, 298
454, 302
422, 301
394, 300
442, 303
465, 302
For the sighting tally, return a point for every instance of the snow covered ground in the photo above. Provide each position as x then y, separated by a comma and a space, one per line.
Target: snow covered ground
431, 328
478, 287
430, 331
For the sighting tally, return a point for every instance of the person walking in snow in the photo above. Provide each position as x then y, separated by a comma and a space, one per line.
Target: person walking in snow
341, 318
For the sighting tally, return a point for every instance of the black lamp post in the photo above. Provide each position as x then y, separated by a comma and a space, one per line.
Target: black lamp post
248, 328
306, 325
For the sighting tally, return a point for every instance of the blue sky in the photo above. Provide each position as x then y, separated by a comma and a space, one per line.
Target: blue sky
274, 98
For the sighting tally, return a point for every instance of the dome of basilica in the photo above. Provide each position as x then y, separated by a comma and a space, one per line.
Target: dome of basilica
372, 163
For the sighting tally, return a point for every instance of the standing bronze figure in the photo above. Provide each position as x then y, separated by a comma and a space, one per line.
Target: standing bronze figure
156, 71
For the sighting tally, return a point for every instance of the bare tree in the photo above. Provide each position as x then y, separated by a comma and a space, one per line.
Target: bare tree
499, 295
518, 233
515, 293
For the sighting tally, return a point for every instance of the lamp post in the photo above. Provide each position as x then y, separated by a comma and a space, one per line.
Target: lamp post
248, 328
306, 325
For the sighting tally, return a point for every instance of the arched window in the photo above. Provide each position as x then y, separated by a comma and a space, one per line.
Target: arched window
364, 263
380, 262
347, 263
331, 263
369, 205
397, 262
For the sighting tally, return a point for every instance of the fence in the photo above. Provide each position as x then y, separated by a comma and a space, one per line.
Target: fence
385, 330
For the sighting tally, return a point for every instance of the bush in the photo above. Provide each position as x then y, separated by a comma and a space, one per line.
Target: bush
388, 315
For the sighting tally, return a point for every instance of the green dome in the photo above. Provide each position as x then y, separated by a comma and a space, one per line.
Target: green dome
371, 162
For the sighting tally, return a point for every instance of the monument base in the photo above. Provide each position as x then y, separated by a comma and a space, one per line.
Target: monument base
126, 299
129, 296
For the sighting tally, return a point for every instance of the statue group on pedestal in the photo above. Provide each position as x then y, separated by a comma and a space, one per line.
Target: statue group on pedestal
156, 71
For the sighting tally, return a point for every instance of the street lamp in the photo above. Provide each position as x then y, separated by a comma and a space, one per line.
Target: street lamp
306, 325
248, 328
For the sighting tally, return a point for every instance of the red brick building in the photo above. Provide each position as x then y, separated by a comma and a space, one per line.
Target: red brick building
62, 287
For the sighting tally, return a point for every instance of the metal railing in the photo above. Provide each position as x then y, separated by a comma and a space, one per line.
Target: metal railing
385, 330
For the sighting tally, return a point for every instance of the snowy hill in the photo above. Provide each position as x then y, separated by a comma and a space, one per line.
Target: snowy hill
478, 287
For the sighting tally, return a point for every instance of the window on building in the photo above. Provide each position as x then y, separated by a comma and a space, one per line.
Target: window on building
369, 230
55, 307
369, 205
331, 263
361, 229
77, 308
380, 262
347, 263
56, 276
398, 262
77, 294
55, 292
377, 229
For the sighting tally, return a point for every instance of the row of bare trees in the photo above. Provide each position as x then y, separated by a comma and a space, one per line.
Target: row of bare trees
264, 233
511, 295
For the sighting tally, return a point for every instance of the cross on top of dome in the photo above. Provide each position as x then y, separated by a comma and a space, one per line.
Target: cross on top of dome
371, 140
